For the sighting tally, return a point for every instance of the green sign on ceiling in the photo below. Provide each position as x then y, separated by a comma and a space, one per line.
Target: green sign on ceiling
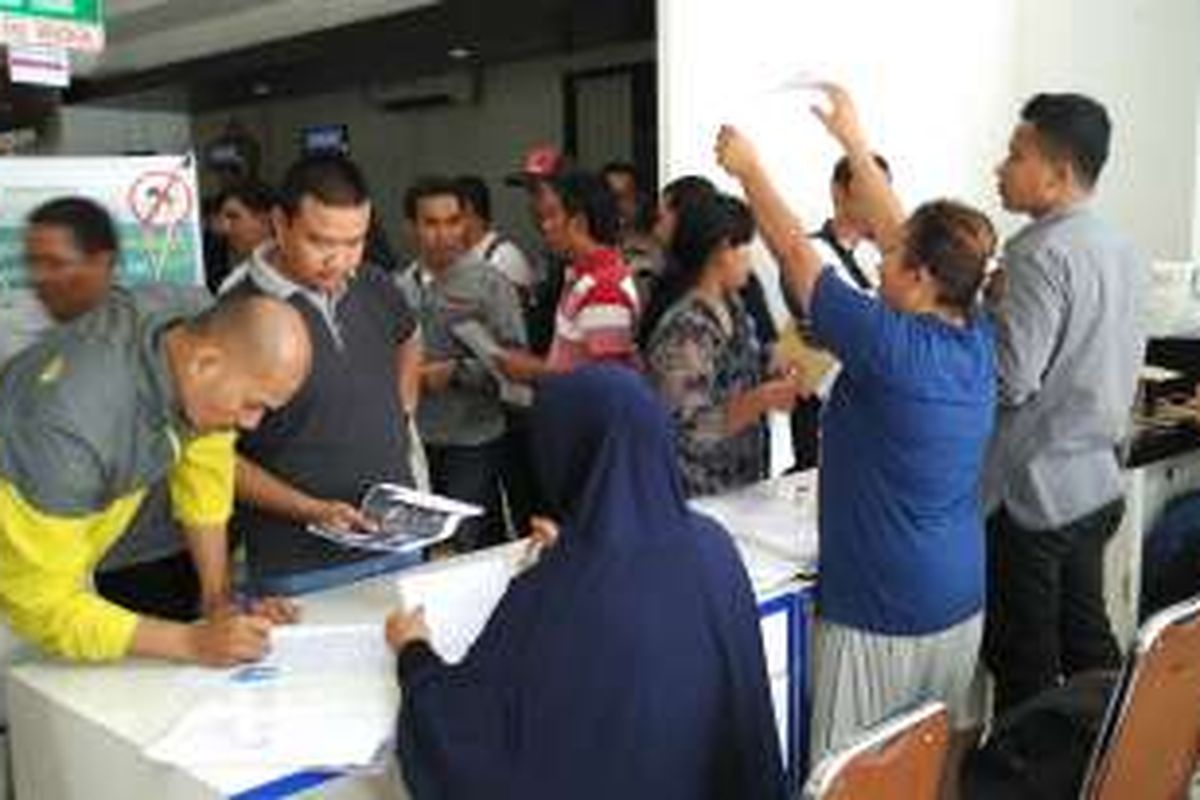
69, 24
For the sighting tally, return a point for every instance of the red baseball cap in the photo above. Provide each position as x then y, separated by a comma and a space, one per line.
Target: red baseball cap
541, 162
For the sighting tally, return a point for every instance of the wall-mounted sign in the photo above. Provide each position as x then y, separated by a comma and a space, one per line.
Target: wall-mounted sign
325, 139
152, 201
67, 24
39, 66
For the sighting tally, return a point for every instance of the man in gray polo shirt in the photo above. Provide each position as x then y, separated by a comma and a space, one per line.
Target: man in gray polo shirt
1069, 347
312, 460
460, 416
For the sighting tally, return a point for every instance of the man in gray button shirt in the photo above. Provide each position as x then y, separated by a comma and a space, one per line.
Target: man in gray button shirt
460, 416
1069, 347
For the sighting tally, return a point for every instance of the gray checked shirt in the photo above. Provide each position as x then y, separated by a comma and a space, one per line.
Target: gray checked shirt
469, 411
1070, 342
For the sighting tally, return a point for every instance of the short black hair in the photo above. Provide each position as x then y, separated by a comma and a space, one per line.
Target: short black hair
585, 194
429, 186
331, 180
842, 172
1074, 127
707, 222
620, 168
254, 195
90, 225
706, 225
955, 244
473, 191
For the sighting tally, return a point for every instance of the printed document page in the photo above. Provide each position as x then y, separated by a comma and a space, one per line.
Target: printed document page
324, 697
460, 594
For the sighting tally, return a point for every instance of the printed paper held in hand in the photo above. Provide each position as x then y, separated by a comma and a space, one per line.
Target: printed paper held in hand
479, 340
818, 368
325, 697
407, 520
460, 594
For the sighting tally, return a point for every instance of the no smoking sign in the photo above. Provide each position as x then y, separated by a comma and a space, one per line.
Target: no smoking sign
160, 199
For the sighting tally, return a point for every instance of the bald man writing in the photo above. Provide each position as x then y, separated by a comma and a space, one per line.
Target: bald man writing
94, 414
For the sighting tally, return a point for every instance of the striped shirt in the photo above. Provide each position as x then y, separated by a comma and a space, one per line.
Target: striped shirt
597, 313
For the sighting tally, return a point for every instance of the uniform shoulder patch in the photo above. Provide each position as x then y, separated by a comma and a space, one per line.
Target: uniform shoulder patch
53, 370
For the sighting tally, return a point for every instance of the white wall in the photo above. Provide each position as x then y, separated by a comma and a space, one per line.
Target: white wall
1142, 59
926, 107
939, 85
1196, 209
521, 105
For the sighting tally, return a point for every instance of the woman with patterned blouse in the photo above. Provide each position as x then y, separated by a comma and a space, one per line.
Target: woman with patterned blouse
704, 358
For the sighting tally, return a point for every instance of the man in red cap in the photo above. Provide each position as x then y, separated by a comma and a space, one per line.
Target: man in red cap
541, 162
598, 306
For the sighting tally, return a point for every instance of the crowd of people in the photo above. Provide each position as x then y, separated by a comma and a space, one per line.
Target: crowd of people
966, 439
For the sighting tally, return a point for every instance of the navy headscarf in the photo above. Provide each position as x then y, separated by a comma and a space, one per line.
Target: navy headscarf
628, 663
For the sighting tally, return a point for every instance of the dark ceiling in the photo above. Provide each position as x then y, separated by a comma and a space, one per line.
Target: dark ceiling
407, 45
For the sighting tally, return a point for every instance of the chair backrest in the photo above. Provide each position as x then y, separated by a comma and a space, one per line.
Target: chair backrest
1150, 742
902, 757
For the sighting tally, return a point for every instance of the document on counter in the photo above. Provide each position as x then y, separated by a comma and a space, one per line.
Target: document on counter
324, 697
765, 568
460, 594
315, 649
778, 515
479, 340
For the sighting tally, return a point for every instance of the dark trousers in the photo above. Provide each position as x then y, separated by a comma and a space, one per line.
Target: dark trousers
471, 474
166, 588
1046, 617
806, 433
517, 474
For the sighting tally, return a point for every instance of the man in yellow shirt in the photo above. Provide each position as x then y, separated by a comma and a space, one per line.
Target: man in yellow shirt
99, 410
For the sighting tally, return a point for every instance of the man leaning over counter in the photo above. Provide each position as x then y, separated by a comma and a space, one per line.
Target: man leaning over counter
99, 410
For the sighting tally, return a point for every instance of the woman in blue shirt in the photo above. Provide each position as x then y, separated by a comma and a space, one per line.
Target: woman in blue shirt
902, 550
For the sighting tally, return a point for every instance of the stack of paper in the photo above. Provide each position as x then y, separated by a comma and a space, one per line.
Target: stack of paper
325, 697
779, 516
767, 570
460, 594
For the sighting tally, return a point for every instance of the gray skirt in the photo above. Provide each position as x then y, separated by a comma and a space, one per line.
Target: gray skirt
861, 678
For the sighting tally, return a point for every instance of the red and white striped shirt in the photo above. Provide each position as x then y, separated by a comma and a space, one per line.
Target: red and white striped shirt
597, 313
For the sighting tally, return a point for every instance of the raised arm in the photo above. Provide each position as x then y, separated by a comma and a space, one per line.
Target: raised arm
781, 228
881, 205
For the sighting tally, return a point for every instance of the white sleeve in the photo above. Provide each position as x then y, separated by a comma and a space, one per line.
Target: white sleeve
513, 264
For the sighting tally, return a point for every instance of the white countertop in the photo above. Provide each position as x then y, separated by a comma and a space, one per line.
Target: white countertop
132, 704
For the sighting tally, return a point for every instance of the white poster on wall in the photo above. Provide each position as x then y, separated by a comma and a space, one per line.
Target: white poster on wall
153, 201
39, 66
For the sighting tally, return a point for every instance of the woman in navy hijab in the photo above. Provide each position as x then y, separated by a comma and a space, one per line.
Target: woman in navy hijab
627, 663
